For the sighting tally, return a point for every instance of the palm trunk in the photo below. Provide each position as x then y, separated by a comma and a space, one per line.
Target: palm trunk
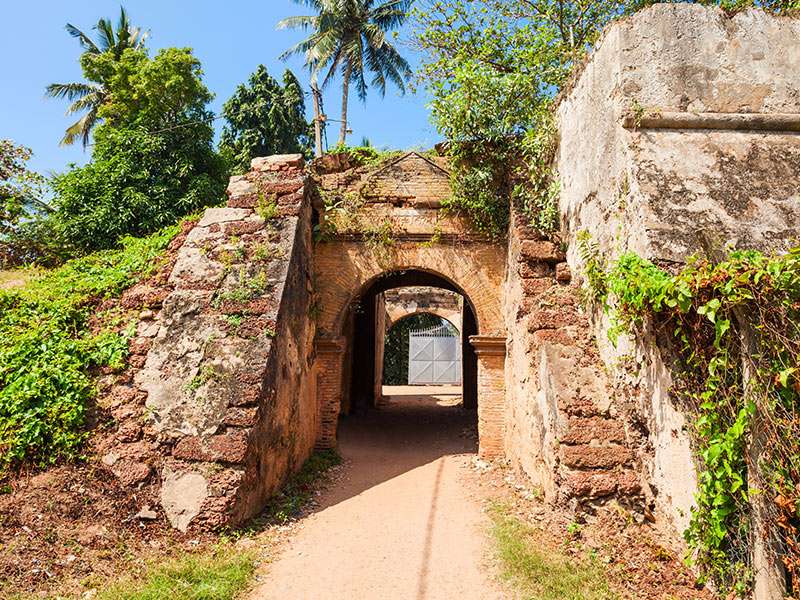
348, 71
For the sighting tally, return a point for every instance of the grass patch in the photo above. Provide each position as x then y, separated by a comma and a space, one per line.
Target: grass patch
47, 350
219, 574
540, 573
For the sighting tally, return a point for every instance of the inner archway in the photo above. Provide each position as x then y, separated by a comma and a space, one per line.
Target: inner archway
411, 355
365, 325
408, 421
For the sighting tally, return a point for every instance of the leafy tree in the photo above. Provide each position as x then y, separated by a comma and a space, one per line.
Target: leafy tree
350, 35
153, 158
21, 197
91, 96
264, 118
493, 68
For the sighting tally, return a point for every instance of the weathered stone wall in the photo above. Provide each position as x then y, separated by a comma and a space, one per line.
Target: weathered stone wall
679, 136
563, 428
223, 376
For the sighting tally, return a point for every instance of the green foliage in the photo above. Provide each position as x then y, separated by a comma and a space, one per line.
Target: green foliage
351, 37
494, 68
264, 118
395, 361
248, 287
48, 350
267, 208
155, 93
365, 155
90, 97
736, 331
148, 167
219, 574
538, 572
480, 189
21, 193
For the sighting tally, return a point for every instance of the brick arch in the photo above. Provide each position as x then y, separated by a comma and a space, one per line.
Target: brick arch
399, 274
447, 315
345, 270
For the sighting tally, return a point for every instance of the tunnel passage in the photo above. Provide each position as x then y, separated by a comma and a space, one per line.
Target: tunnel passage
361, 389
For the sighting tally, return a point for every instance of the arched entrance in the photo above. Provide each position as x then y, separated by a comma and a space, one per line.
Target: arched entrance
362, 324
382, 229
419, 348
345, 364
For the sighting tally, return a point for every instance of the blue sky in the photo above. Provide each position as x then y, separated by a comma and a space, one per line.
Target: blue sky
230, 38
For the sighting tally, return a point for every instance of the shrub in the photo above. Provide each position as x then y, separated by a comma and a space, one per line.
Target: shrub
47, 350
153, 160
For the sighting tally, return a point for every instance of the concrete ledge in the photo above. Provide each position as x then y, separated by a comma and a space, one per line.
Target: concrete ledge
785, 122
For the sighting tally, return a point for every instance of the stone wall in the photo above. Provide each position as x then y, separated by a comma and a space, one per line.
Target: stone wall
563, 427
679, 138
223, 379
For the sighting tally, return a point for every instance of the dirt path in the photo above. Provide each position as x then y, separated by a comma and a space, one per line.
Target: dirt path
400, 523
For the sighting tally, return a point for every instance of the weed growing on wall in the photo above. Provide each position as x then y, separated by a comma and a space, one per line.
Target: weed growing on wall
365, 156
48, 349
735, 328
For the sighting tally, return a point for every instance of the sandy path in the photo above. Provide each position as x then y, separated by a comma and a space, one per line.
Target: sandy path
400, 523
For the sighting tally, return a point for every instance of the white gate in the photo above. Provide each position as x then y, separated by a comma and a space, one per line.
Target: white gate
434, 357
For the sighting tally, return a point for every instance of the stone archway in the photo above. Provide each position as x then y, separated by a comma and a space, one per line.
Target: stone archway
361, 382
395, 225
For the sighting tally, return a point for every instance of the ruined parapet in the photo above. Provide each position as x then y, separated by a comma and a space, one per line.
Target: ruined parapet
223, 380
679, 138
681, 131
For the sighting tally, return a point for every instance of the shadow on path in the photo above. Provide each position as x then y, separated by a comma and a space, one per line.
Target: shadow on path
398, 521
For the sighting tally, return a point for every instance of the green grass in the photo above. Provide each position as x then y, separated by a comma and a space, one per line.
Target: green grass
48, 349
539, 573
219, 574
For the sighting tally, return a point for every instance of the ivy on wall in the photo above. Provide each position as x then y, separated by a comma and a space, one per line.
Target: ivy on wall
494, 70
734, 326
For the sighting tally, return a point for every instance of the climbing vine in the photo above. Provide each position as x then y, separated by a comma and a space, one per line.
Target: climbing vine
735, 329
55, 336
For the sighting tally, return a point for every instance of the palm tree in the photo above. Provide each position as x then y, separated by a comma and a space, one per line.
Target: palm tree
91, 96
350, 36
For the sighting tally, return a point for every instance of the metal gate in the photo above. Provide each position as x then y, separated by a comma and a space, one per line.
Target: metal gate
434, 356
